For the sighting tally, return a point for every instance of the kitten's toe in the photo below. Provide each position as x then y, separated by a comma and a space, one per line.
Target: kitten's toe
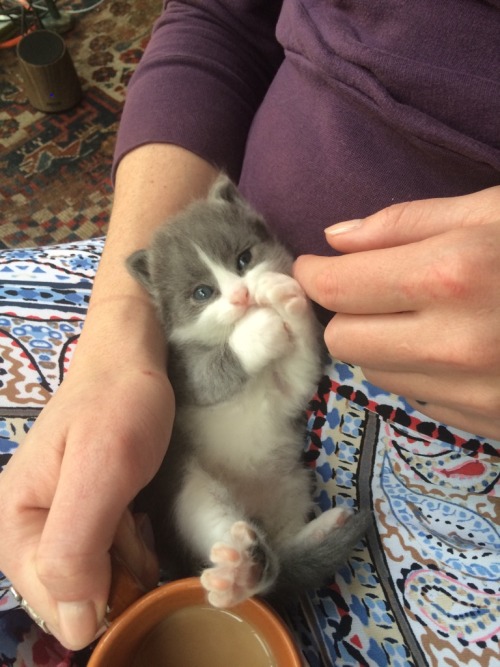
296, 305
277, 289
220, 587
227, 585
337, 516
223, 599
241, 569
317, 529
243, 534
216, 580
222, 553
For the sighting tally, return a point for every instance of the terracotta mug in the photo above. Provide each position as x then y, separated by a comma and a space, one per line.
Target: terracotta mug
174, 625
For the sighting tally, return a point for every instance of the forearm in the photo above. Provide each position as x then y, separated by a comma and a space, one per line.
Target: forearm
153, 182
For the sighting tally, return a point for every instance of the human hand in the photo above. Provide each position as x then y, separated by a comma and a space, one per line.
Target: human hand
417, 298
64, 494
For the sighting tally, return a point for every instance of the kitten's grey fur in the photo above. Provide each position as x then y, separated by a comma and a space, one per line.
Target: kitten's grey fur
233, 499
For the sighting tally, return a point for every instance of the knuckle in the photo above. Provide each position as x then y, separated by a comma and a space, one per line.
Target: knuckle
468, 352
485, 403
54, 570
457, 355
490, 404
340, 340
451, 277
483, 355
405, 213
327, 286
68, 575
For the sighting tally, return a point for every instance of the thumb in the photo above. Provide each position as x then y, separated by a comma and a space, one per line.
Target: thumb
73, 559
414, 221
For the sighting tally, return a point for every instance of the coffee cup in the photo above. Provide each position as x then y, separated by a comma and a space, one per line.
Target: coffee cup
174, 625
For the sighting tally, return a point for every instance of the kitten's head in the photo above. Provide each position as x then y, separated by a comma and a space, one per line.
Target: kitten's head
202, 263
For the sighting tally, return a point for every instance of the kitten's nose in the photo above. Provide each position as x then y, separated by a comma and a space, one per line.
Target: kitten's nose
240, 296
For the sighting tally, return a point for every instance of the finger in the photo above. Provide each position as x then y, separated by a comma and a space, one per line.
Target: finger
448, 391
377, 281
413, 221
364, 340
74, 624
471, 423
72, 559
418, 342
23, 514
79, 532
134, 566
134, 544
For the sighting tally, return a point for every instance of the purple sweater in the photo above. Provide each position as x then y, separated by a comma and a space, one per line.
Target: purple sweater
325, 110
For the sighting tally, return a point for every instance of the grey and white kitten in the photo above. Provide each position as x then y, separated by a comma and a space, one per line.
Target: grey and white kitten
232, 498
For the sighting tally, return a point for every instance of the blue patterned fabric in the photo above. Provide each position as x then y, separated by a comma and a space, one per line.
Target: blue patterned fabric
421, 590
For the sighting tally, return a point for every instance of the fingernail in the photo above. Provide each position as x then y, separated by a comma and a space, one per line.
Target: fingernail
343, 227
77, 623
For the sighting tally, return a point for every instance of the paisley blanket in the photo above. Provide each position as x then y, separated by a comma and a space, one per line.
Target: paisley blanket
422, 589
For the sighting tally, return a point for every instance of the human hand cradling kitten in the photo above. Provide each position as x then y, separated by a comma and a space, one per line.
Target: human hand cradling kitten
65, 492
418, 304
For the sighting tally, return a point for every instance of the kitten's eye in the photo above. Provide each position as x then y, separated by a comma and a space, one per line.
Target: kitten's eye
202, 293
244, 260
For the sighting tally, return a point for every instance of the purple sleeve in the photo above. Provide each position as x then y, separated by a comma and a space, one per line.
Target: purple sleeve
202, 78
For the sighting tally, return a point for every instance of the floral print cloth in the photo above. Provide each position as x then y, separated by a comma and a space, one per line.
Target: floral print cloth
421, 590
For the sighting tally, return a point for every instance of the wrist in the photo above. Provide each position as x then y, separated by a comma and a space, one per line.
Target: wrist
120, 331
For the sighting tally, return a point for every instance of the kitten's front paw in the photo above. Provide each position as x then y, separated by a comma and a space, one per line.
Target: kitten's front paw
239, 568
261, 337
281, 292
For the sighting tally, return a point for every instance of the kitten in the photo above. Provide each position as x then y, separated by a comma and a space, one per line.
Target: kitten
232, 497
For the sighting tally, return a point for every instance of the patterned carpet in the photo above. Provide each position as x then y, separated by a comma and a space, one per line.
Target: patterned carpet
55, 168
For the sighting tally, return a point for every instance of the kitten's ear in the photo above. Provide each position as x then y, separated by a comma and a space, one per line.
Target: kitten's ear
224, 190
138, 266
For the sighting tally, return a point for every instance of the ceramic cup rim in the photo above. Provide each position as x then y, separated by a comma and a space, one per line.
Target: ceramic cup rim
185, 592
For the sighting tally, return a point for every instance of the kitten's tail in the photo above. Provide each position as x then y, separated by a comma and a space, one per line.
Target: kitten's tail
308, 565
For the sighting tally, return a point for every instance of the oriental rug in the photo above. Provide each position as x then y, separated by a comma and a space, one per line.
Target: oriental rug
55, 168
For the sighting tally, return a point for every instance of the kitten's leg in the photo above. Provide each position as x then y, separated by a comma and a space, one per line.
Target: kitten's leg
204, 511
288, 523
211, 526
310, 558
242, 566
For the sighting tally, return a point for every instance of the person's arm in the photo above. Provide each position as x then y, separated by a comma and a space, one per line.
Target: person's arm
102, 436
202, 78
64, 494
418, 304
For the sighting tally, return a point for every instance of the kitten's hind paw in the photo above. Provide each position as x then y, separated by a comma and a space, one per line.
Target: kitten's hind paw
240, 569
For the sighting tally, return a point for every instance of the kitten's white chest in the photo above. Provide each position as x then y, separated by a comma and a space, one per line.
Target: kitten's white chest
244, 432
